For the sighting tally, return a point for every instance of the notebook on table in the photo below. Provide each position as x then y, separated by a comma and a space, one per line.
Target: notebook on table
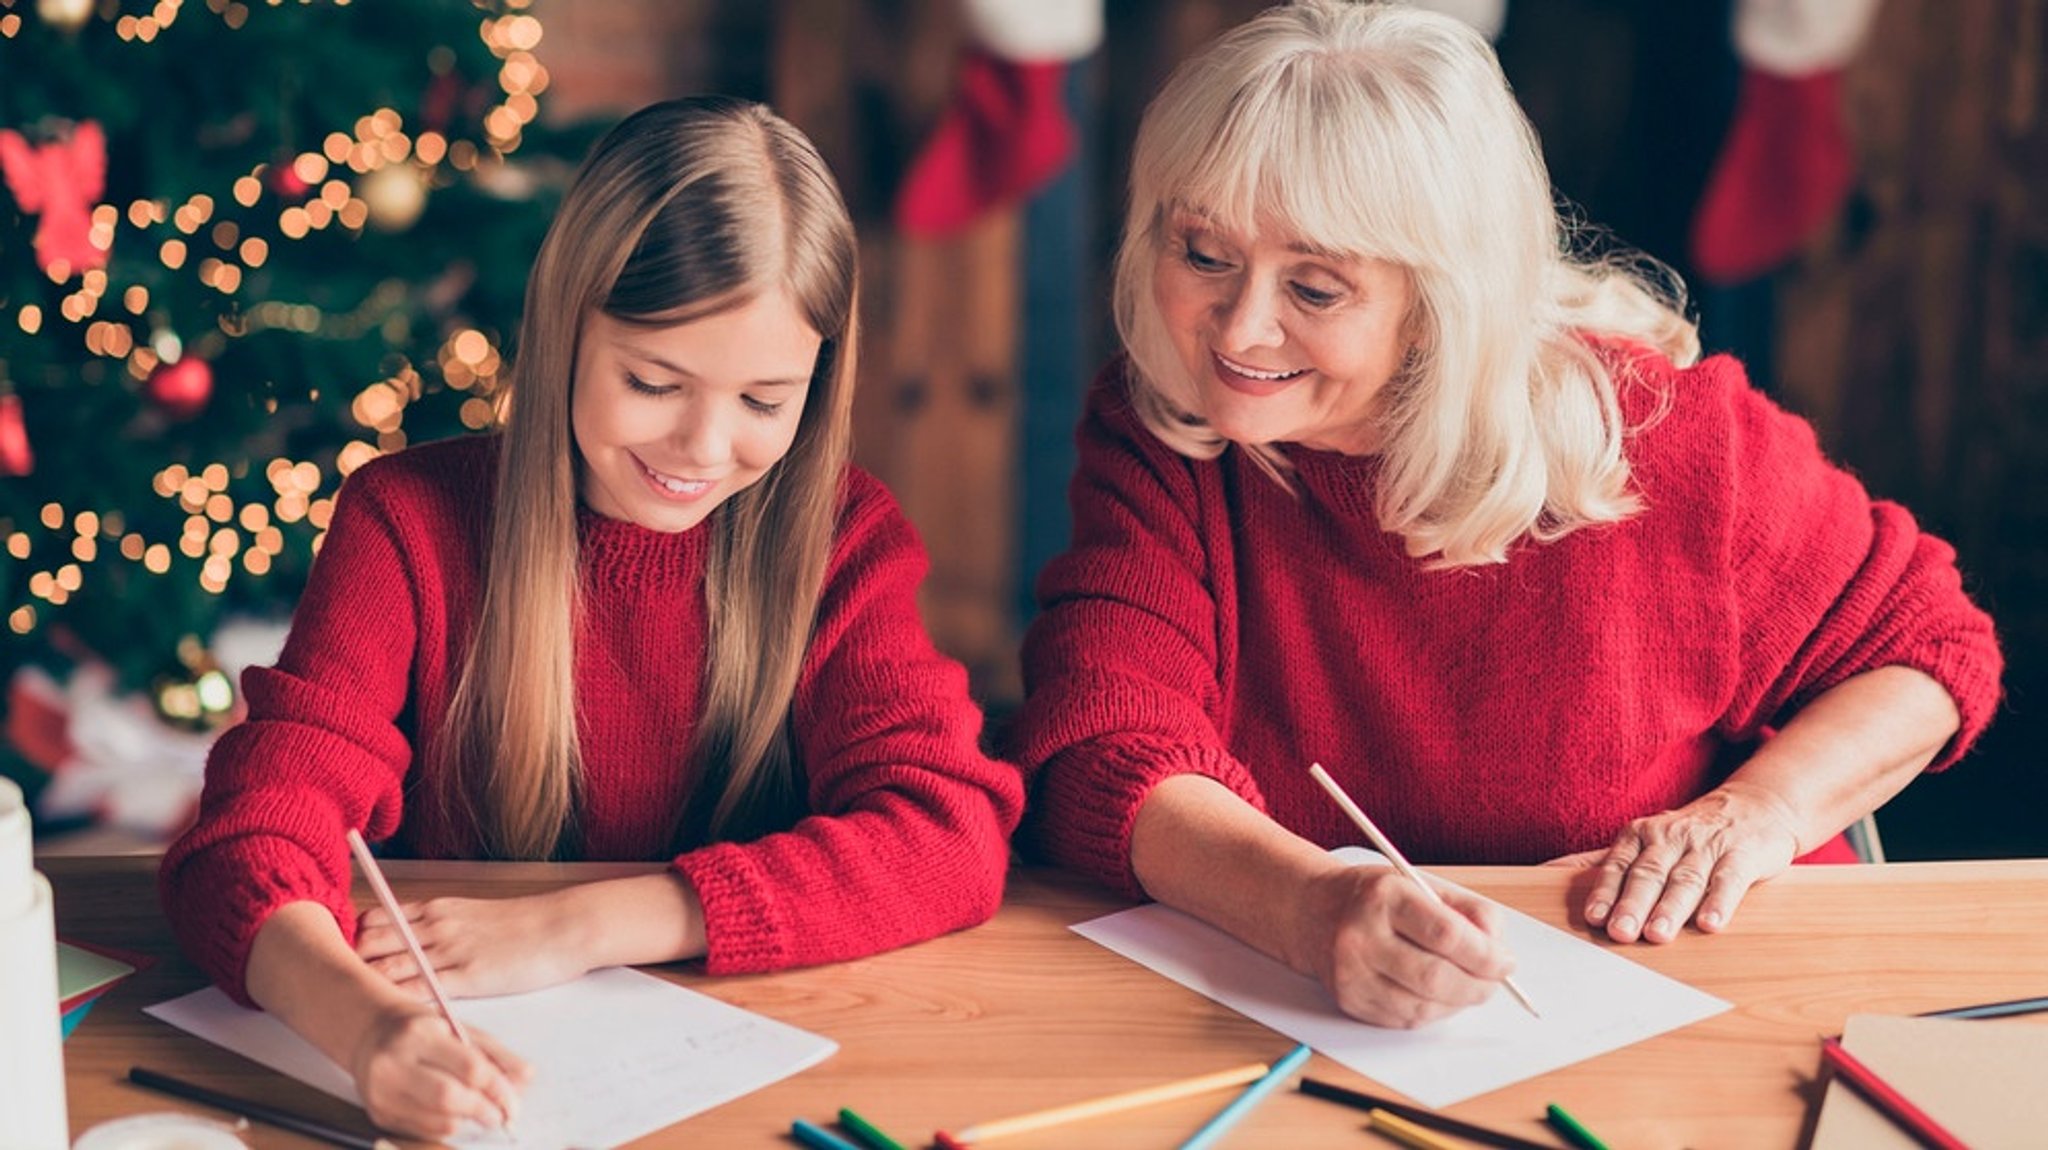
1983, 1080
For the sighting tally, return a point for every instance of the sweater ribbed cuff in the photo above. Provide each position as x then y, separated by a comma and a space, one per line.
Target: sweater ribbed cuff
1970, 673
218, 901
743, 929
218, 894
1090, 795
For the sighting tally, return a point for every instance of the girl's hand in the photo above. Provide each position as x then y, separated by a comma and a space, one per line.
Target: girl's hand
479, 946
1392, 956
417, 1078
1692, 864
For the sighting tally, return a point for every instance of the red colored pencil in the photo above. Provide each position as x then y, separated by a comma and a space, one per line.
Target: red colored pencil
1880, 1094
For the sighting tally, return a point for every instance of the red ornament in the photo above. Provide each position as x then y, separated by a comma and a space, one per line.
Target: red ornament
286, 182
15, 456
60, 181
439, 101
181, 390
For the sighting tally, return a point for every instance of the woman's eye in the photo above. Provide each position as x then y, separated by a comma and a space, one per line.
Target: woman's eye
761, 407
644, 387
1314, 297
1201, 261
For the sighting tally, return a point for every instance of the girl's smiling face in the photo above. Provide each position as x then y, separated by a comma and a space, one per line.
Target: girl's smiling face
673, 421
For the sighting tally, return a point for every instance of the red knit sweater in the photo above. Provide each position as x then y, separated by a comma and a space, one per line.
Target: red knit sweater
1208, 621
909, 835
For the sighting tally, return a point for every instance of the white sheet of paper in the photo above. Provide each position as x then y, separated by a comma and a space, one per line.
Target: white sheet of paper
1593, 1001
616, 1054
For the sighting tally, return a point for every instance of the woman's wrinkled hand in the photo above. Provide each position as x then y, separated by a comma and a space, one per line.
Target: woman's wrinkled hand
1693, 864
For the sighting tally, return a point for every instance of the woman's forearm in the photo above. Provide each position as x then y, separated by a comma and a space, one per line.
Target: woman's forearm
1198, 847
1850, 750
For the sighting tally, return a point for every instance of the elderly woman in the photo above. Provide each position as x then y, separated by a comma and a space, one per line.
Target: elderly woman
1389, 480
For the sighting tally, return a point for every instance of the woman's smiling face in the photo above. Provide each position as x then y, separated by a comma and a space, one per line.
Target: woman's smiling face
1285, 343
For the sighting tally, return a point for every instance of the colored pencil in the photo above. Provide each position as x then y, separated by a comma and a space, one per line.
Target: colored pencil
389, 901
1386, 847
1215, 1128
865, 1132
1991, 1009
1109, 1104
1316, 1088
260, 1111
1889, 1101
817, 1137
1408, 1133
374, 875
1574, 1131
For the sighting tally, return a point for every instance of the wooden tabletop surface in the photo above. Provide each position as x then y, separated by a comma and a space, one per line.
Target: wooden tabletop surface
1022, 1014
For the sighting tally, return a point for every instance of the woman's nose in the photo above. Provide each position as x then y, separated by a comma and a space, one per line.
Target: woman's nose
1247, 319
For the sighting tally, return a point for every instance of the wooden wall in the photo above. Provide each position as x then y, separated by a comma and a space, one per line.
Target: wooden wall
1916, 336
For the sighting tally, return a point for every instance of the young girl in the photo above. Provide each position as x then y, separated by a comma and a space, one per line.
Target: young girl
659, 617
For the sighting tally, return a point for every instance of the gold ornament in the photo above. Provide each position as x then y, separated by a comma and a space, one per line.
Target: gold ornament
396, 194
195, 694
67, 15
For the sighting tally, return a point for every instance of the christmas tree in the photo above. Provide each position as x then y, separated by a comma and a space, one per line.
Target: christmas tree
244, 247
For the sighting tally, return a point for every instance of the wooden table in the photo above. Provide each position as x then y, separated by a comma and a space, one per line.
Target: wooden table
1022, 1014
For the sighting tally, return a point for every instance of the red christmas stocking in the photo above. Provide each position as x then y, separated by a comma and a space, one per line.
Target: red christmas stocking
1782, 174
1006, 135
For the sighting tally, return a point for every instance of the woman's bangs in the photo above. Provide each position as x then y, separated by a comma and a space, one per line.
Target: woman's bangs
1274, 166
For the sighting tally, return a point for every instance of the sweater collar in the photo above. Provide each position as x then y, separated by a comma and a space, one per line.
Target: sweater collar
1346, 483
620, 554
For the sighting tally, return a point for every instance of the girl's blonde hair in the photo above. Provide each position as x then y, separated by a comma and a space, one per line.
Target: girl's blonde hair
684, 210
1387, 132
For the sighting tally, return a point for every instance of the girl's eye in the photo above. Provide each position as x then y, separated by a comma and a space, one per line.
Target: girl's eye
761, 407
644, 387
1314, 297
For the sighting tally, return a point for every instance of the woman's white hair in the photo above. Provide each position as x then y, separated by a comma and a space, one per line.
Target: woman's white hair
1387, 132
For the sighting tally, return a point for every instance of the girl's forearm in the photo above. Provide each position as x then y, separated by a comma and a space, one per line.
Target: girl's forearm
634, 921
302, 970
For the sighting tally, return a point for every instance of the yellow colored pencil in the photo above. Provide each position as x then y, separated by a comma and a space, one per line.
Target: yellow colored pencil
1408, 1133
1110, 1104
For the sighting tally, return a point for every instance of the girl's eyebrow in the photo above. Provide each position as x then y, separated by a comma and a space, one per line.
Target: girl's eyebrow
644, 356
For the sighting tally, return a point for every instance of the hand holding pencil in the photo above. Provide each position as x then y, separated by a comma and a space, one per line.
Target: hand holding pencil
1407, 953
407, 1053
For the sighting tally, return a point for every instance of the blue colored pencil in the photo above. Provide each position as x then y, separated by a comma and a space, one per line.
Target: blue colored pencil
1992, 1009
817, 1137
1215, 1128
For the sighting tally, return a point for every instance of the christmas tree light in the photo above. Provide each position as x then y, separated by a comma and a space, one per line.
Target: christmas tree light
244, 249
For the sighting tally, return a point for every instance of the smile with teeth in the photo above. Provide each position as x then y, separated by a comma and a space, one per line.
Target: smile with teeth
672, 484
1255, 373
